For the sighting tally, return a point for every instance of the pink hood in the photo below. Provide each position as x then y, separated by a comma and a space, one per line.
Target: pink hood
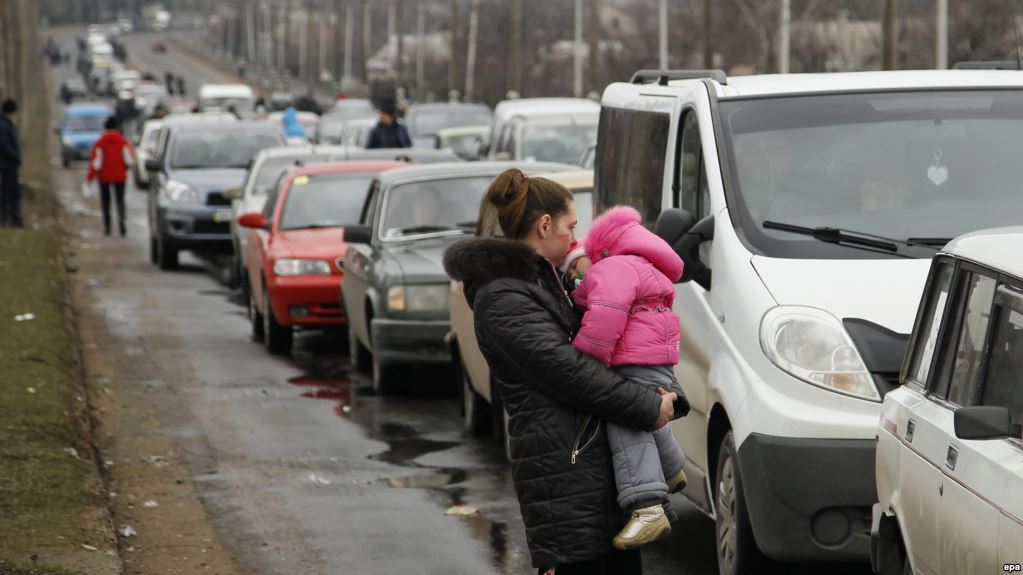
618, 232
628, 293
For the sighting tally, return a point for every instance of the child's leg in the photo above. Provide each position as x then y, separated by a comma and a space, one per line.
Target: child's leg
673, 459
637, 467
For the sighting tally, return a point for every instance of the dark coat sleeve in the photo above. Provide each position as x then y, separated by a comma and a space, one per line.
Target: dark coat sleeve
9, 147
403, 139
519, 333
374, 138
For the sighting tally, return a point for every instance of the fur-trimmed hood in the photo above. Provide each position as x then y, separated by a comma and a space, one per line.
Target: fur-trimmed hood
618, 232
479, 261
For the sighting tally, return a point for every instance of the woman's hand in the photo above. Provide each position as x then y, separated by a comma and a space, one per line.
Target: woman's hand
667, 408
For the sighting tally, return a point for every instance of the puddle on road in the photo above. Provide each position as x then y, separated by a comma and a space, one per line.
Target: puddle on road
440, 478
330, 388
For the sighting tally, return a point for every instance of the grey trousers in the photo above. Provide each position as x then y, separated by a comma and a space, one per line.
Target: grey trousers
642, 459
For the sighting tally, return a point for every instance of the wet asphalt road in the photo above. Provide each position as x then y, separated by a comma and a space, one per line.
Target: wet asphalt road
299, 450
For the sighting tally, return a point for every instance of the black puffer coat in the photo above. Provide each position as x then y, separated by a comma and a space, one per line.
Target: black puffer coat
556, 398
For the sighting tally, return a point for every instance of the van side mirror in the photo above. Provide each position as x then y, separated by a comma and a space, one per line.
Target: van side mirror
982, 422
153, 165
685, 235
357, 234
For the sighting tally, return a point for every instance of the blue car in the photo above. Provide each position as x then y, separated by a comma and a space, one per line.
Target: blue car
80, 127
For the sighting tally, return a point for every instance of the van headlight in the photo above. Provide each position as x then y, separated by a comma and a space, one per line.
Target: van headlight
812, 345
181, 192
418, 298
294, 267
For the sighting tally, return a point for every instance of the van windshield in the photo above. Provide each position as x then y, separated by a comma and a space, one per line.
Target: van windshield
924, 166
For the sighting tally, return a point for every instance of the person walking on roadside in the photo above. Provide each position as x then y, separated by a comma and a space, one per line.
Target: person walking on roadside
109, 161
10, 162
557, 398
388, 133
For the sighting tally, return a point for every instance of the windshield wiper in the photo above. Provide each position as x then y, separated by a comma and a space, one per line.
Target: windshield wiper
316, 226
190, 167
930, 242
848, 237
425, 229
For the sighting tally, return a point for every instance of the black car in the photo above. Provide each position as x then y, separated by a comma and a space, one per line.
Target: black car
196, 163
73, 87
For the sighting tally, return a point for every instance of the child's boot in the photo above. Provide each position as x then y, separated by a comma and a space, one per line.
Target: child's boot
646, 525
677, 482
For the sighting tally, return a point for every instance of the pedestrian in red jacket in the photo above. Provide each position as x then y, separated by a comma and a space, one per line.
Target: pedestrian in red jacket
109, 161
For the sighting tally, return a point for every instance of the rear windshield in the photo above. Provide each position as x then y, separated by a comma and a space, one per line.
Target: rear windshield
272, 169
85, 123
564, 144
434, 206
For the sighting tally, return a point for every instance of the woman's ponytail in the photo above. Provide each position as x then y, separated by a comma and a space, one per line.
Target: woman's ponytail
521, 200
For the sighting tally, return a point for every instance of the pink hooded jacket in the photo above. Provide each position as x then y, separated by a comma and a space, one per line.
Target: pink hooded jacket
628, 293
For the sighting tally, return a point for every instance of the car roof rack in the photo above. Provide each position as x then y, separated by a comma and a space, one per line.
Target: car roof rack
987, 65
662, 77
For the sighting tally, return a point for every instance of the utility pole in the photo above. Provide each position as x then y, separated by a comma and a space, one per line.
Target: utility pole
310, 68
942, 35
577, 74
888, 35
595, 56
708, 34
349, 42
367, 39
282, 38
453, 60
339, 24
401, 40
784, 36
515, 73
662, 36
470, 61
420, 50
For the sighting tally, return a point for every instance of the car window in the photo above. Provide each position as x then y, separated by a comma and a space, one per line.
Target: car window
199, 150
370, 208
556, 143
969, 354
325, 201
630, 161
1003, 382
433, 206
694, 197
272, 168
271, 201
929, 324
85, 123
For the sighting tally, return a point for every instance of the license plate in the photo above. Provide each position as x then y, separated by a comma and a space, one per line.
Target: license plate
221, 216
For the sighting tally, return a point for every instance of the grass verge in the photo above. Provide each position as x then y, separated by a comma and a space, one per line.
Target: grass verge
41, 478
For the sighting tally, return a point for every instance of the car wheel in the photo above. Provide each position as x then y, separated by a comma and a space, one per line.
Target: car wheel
475, 409
277, 337
737, 549
166, 254
384, 377
255, 318
234, 277
153, 250
358, 355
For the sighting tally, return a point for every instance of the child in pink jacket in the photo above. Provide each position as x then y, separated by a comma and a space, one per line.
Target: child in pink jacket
628, 324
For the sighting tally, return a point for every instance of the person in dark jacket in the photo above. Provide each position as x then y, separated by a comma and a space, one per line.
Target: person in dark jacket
557, 398
388, 133
10, 161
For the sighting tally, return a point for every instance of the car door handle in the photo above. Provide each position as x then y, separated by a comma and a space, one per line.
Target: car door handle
951, 457
910, 429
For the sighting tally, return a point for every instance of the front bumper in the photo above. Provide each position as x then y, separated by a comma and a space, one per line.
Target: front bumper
410, 341
809, 499
317, 296
197, 227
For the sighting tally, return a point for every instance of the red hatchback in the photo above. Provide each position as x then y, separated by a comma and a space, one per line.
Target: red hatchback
293, 275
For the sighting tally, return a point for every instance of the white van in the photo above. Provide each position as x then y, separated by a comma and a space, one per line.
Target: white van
543, 129
218, 97
807, 209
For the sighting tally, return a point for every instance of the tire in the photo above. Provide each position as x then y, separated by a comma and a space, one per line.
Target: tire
737, 550
384, 377
358, 355
167, 255
276, 337
235, 275
475, 409
153, 251
255, 318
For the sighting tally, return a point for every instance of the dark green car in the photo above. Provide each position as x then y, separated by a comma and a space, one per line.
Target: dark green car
395, 292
